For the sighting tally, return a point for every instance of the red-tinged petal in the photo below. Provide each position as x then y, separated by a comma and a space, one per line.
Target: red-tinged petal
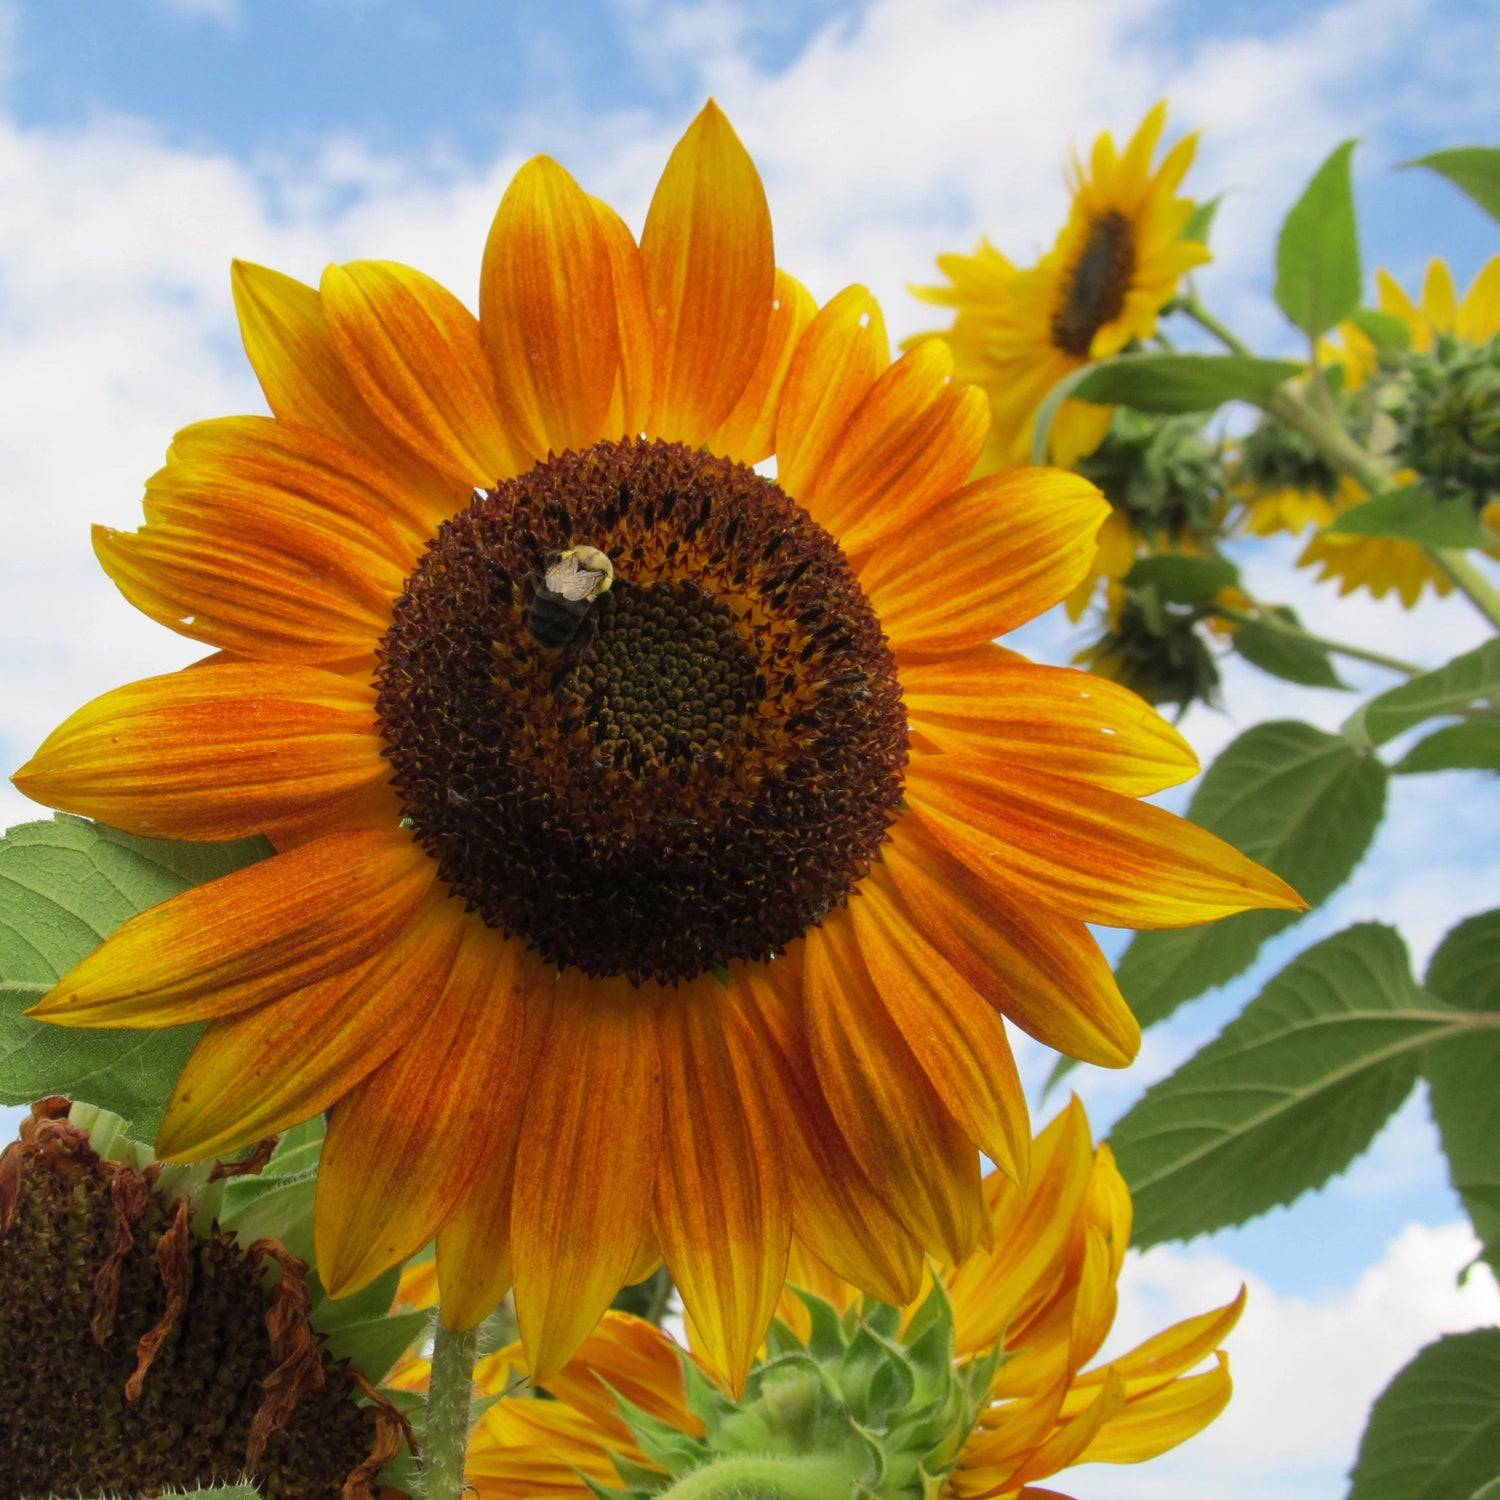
473, 1247
1042, 970
630, 406
913, 440
895, 1122
547, 307
722, 1215
835, 366
994, 554
221, 751
249, 937
407, 1146
1088, 852
254, 1074
710, 278
417, 357
535, 1450
838, 1211
586, 1164
748, 433
294, 357
1058, 719
956, 1037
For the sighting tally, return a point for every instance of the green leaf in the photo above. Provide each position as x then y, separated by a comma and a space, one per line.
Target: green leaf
1288, 1094
298, 1149
1467, 682
1201, 220
1303, 803
1293, 658
275, 1207
1183, 382
1046, 413
1474, 170
64, 887
1474, 746
1465, 972
1317, 256
1181, 579
329, 1314
1385, 330
1434, 1431
1414, 514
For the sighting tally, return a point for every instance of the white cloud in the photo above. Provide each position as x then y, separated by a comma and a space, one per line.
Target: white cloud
1305, 1372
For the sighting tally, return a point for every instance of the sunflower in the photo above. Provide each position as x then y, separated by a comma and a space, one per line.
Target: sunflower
1033, 1309
1115, 265
636, 906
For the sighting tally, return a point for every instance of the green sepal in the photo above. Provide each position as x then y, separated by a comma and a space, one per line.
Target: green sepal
828, 1337
876, 1378
704, 1399
273, 1207
667, 1446
1386, 331
373, 1301
373, 1345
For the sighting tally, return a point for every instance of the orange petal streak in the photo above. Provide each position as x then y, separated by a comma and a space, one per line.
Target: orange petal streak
1044, 971
254, 1074
1088, 852
407, 1145
835, 366
911, 441
249, 937
895, 1122
994, 554
586, 1164
1055, 719
630, 407
473, 1247
710, 277
722, 1214
219, 751
956, 1037
547, 307
416, 355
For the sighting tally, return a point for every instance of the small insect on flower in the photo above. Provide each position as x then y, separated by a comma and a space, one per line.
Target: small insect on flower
563, 608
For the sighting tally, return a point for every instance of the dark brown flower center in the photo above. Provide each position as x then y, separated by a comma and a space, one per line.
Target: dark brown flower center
1094, 289
694, 767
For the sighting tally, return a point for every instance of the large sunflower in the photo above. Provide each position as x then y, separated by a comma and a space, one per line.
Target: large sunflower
560, 923
1117, 262
1043, 1295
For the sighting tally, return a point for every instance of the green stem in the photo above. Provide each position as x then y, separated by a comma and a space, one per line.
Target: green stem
1270, 621
1194, 309
1465, 576
752, 1477
445, 1439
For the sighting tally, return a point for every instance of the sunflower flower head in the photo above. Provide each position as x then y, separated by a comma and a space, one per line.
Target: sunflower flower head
1153, 647
660, 849
148, 1351
977, 1388
1117, 262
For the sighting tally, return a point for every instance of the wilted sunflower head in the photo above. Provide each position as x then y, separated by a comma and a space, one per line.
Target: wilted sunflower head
976, 1388
1116, 263
143, 1354
627, 922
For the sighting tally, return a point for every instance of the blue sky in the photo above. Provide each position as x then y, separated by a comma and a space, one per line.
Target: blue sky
145, 142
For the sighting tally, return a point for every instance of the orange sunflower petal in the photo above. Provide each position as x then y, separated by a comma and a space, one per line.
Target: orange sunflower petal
838, 1211
913, 440
722, 1215
1085, 851
416, 354
272, 1067
1151, 1424
1069, 1442
1044, 971
956, 1037
547, 307
894, 1120
220, 751
630, 406
994, 554
406, 1146
1055, 719
835, 366
710, 278
249, 937
584, 1174
748, 433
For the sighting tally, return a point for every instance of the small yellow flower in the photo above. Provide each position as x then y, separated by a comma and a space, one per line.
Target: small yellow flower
1043, 1294
1117, 262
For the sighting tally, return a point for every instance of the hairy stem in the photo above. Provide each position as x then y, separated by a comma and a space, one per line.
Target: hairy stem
446, 1438
753, 1477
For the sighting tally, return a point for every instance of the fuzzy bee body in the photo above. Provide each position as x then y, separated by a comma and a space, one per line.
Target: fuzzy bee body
561, 612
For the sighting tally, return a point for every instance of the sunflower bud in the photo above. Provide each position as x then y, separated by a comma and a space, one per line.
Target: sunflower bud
1154, 649
1450, 418
143, 1355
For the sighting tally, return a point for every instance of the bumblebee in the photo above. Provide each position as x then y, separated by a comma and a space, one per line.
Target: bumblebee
562, 609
